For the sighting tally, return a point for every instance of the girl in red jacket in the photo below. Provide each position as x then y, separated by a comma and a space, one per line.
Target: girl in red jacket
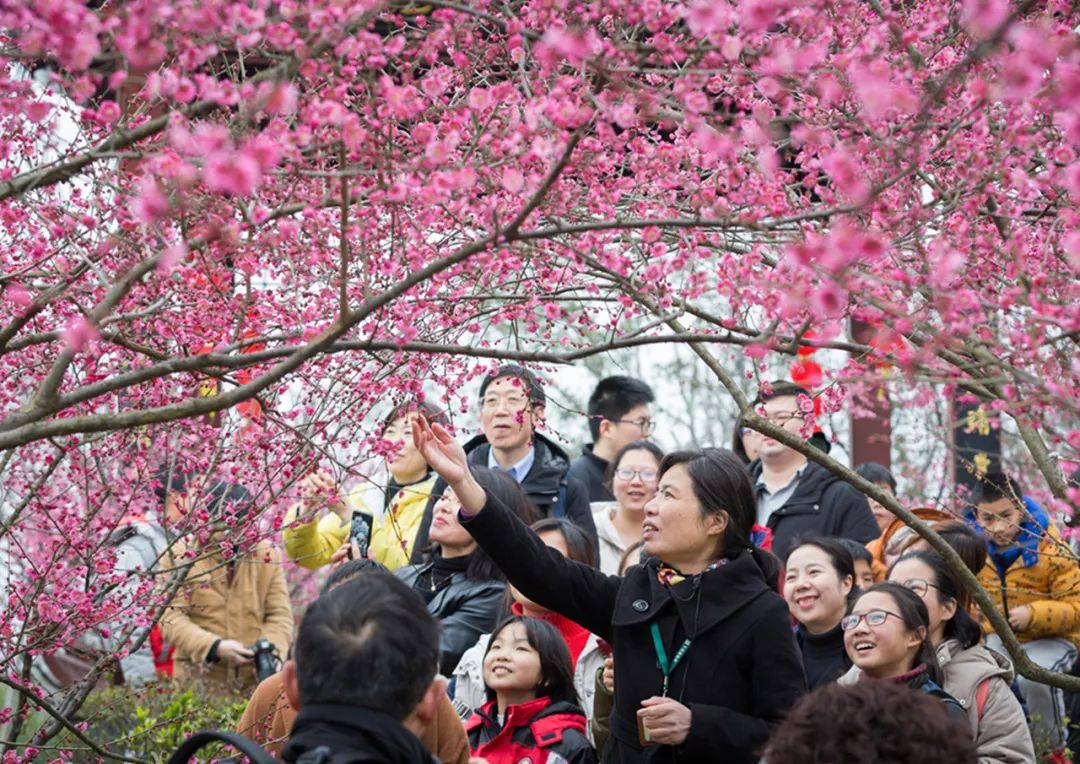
532, 712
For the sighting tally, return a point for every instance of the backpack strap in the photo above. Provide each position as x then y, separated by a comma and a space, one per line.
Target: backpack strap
982, 692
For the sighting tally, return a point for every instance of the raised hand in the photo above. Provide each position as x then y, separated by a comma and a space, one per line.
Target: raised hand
446, 456
439, 449
319, 490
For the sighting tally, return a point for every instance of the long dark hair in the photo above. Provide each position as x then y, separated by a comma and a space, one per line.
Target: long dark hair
579, 546
556, 668
961, 627
721, 483
505, 488
912, 611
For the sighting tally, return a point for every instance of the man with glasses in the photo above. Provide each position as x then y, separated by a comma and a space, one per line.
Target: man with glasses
512, 403
797, 497
618, 415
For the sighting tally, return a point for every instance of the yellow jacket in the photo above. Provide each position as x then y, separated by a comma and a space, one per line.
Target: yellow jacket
310, 544
1050, 587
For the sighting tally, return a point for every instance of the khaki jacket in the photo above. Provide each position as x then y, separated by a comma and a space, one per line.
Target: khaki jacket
1000, 730
242, 601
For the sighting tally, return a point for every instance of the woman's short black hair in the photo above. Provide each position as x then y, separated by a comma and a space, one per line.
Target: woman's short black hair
875, 473
722, 483
579, 545
838, 554
912, 611
966, 542
962, 626
556, 668
637, 445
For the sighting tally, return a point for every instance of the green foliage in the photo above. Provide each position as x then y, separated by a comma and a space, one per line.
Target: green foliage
150, 723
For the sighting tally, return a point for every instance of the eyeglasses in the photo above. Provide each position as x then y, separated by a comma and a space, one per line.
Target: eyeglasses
783, 417
647, 476
511, 402
644, 424
873, 618
920, 586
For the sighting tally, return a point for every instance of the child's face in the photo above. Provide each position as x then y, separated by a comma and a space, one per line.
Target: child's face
512, 664
1000, 519
864, 574
886, 649
883, 516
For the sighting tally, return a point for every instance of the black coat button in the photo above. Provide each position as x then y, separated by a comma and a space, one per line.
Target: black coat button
640, 605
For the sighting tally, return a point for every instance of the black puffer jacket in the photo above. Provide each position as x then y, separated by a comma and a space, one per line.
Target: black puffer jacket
740, 676
547, 481
822, 505
465, 607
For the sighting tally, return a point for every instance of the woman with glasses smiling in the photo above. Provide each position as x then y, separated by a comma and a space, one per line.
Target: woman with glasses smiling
978, 676
887, 637
631, 477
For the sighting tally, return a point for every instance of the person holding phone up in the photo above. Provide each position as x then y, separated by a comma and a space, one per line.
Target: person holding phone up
389, 539
707, 662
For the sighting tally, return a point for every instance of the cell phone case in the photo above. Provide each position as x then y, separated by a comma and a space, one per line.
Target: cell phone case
644, 738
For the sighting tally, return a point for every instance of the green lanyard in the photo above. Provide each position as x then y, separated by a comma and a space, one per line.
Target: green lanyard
661, 655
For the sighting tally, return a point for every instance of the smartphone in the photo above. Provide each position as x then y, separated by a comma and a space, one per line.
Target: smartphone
360, 530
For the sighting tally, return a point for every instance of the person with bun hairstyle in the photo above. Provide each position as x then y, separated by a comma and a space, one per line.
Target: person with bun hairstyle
977, 676
707, 664
887, 636
818, 578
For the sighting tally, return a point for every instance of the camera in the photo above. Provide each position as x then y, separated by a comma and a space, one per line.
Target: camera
266, 658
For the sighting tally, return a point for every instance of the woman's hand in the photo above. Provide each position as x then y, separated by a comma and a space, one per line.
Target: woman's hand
347, 551
608, 677
319, 490
667, 720
439, 449
446, 456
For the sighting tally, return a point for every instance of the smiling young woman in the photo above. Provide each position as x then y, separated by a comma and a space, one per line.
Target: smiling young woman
705, 659
818, 578
631, 477
887, 636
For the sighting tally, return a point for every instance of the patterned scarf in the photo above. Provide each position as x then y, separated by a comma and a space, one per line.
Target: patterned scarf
669, 576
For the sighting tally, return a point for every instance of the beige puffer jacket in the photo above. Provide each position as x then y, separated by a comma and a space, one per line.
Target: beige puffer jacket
1000, 731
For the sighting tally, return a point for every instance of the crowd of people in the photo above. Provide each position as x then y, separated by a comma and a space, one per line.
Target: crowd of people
511, 604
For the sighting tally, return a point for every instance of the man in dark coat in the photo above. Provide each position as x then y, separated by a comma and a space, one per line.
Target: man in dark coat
797, 497
618, 415
512, 404
363, 693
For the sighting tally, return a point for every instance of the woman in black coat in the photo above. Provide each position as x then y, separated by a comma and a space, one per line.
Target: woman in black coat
705, 660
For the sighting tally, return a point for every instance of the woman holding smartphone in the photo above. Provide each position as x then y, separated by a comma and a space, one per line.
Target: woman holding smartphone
707, 662
312, 544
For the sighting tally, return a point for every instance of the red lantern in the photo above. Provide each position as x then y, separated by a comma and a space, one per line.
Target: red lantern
805, 351
806, 374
